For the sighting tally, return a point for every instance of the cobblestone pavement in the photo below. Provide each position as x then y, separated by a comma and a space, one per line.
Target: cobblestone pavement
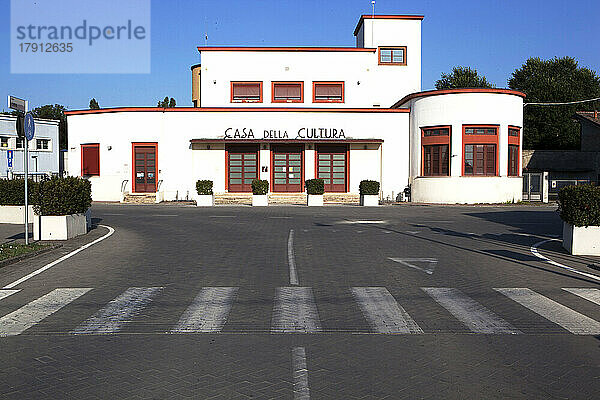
296, 302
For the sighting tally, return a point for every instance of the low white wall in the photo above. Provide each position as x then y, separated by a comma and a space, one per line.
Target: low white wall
467, 190
59, 227
14, 214
581, 240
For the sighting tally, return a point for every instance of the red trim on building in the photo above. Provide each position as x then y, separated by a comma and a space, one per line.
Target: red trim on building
260, 89
143, 144
515, 141
456, 91
391, 62
239, 109
365, 16
439, 140
480, 139
332, 49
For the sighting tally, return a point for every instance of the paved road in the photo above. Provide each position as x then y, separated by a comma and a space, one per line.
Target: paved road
290, 302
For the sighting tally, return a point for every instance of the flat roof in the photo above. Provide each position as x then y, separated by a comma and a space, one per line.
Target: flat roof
238, 109
365, 16
428, 93
288, 49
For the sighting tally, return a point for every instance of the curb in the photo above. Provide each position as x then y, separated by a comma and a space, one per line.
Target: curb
13, 260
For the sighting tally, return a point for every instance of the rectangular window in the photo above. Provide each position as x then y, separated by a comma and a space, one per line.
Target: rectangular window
513, 132
20, 143
480, 159
392, 55
287, 92
90, 160
513, 160
436, 132
4, 142
328, 92
481, 131
435, 160
42, 144
246, 92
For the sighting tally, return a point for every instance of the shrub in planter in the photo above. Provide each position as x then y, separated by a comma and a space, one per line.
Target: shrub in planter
63, 196
579, 208
12, 192
369, 187
204, 187
579, 205
260, 187
315, 186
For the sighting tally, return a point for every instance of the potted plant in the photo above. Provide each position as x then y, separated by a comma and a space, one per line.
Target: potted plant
579, 208
206, 197
369, 193
315, 189
260, 188
61, 205
12, 200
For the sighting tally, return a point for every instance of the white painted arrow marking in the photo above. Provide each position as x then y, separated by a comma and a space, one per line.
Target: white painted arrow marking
429, 263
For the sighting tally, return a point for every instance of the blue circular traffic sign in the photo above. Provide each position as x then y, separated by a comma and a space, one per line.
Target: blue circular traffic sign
29, 126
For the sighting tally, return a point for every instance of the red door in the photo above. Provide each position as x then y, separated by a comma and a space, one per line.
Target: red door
242, 168
332, 167
288, 171
145, 169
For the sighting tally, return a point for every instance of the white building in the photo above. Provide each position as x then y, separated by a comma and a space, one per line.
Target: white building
290, 114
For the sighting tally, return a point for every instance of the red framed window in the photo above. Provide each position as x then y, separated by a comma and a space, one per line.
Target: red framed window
328, 92
287, 92
246, 92
480, 150
435, 141
392, 55
90, 159
514, 154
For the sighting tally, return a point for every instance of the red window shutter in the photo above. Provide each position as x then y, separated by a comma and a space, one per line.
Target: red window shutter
328, 90
287, 91
246, 89
90, 164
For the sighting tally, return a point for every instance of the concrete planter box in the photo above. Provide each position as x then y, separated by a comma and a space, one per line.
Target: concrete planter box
581, 240
314, 200
14, 214
205, 200
260, 200
369, 200
59, 227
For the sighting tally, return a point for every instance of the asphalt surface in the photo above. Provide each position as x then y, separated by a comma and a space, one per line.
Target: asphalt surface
391, 302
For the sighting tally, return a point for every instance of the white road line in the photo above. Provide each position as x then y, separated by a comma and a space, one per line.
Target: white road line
27, 316
63, 258
473, 315
534, 251
295, 311
300, 374
589, 294
383, 311
118, 312
569, 319
164, 215
5, 293
363, 222
429, 264
291, 259
209, 311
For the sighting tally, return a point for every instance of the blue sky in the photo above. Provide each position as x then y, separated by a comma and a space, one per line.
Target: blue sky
494, 36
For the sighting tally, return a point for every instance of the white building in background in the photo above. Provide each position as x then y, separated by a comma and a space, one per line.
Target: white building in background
288, 114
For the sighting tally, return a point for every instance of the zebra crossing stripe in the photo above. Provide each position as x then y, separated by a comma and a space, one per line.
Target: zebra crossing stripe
209, 311
589, 294
295, 311
4, 293
118, 312
383, 311
569, 319
30, 314
473, 315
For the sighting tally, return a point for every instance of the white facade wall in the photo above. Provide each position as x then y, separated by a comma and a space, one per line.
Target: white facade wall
367, 84
181, 164
456, 110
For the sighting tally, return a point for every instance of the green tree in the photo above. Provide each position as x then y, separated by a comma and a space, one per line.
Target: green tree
55, 111
167, 103
553, 81
462, 77
94, 104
